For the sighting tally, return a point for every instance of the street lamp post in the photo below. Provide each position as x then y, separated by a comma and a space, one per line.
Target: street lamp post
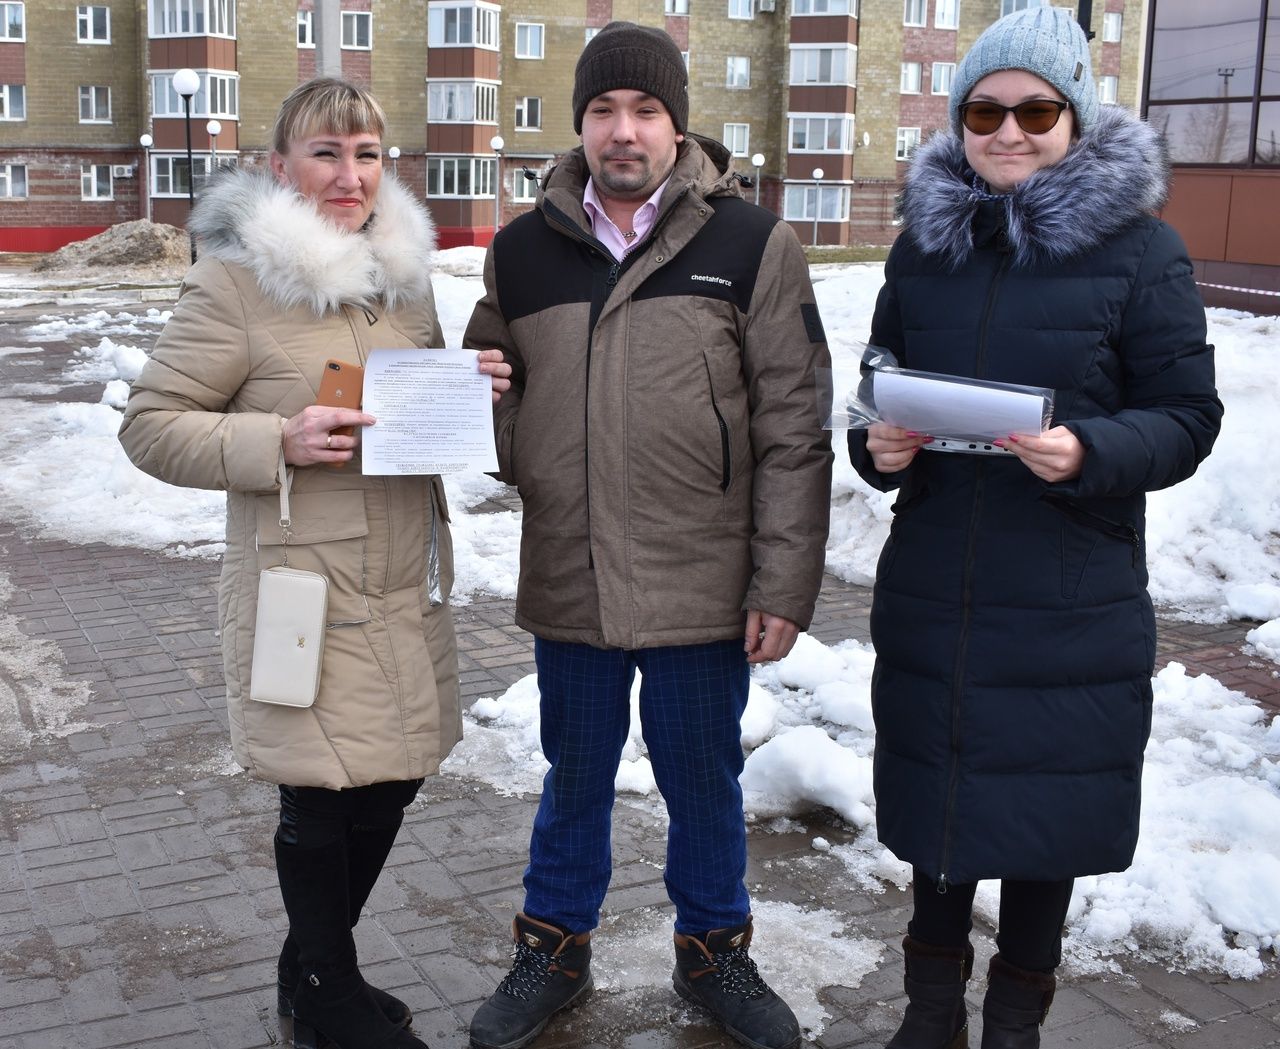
214, 129
394, 154
757, 162
496, 144
186, 82
146, 142
817, 201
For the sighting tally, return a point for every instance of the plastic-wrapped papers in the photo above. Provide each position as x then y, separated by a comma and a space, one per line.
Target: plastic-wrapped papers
962, 415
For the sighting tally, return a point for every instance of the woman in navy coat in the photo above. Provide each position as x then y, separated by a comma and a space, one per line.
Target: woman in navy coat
1015, 639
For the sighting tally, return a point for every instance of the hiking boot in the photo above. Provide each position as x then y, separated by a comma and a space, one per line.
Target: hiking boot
551, 971
1016, 1004
935, 980
717, 973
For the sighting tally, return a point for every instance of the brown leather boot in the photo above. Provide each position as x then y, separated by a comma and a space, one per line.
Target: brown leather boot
1015, 1007
935, 980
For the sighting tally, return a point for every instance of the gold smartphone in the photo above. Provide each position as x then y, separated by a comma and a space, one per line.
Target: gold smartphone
341, 386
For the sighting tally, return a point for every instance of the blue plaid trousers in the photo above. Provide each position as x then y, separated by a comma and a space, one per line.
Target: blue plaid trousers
691, 703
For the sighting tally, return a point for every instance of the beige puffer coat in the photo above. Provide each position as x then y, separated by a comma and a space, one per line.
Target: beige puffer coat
278, 291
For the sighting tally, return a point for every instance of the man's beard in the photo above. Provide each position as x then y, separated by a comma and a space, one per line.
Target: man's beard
627, 184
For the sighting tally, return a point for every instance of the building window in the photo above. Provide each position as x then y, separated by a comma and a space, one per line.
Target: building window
737, 137
908, 139
684, 57
943, 74
739, 72
675, 7
529, 40
95, 105
913, 12
460, 176
93, 24
946, 14
216, 97
13, 102
529, 113
1112, 27
462, 102
357, 31
742, 8
825, 203
821, 133
13, 181
13, 21
171, 177
910, 81
1007, 7
590, 33
524, 190
462, 25
825, 7
824, 65
95, 182
1108, 87
306, 30
193, 17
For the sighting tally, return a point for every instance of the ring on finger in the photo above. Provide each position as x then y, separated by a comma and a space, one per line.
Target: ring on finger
328, 440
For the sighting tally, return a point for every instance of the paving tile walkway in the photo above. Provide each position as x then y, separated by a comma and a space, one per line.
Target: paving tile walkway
138, 902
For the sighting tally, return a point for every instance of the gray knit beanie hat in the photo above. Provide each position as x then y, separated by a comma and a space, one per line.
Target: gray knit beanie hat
637, 58
1046, 41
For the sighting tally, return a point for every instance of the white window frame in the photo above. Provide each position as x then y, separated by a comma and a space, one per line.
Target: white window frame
742, 10
226, 85
480, 170
733, 66
825, 7
946, 14
1112, 27
1108, 90
909, 79
589, 33
523, 190
915, 12
84, 24
807, 60
675, 7
167, 18
737, 139
163, 182
941, 85
477, 97
7, 92
817, 126
90, 176
5, 7
824, 197
91, 93
483, 31
522, 113
1007, 7
684, 57
7, 182
525, 48
306, 30
907, 140
351, 23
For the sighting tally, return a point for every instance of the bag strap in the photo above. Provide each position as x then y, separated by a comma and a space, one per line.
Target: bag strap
286, 481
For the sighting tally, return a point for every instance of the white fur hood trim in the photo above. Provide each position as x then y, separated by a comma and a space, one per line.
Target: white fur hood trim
299, 258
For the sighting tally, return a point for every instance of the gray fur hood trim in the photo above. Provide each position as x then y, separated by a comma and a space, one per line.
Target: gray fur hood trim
301, 259
1117, 171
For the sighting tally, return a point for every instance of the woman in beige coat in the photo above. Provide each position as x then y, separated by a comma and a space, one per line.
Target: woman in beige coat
320, 258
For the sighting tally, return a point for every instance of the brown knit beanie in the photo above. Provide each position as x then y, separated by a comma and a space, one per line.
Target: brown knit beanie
637, 58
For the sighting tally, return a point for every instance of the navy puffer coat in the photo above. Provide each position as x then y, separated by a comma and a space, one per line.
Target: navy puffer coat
1014, 636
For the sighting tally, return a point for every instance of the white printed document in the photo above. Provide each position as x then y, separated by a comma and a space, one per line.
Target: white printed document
434, 410
946, 408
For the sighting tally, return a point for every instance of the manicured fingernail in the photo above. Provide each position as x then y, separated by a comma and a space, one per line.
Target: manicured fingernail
912, 433
998, 443
1013, 437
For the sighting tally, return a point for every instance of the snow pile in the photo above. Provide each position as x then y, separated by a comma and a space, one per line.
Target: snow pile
51, 328
106, 362
128, 248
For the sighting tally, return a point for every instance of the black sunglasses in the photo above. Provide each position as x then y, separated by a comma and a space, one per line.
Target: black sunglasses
1035, 116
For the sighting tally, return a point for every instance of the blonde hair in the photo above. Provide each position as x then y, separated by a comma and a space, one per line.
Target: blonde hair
326, 105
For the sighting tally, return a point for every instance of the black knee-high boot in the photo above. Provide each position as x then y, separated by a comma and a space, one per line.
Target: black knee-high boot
1015, 1007
332, 999
935, 982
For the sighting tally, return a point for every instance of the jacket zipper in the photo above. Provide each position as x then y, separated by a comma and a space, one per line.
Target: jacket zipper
1124, 532
966, 614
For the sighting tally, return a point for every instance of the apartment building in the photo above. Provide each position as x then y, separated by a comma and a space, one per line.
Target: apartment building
823, 100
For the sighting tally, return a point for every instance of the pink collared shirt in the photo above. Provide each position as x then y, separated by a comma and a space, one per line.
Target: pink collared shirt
603, 228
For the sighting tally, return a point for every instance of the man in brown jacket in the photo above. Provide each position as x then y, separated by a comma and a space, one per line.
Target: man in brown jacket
662, 429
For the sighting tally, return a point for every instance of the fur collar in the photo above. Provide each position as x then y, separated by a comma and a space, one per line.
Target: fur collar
1117, 171
301, 259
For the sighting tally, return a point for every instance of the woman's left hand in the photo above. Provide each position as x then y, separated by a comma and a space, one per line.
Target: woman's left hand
1056, 455
499, 372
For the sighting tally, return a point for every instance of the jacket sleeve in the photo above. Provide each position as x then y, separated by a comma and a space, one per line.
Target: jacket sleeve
886, 333
1171, 412
488, 330
783, 345
176, 425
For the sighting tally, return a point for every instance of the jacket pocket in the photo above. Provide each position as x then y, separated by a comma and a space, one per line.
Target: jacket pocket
722, 428
901, 508
1081, 533
329, 534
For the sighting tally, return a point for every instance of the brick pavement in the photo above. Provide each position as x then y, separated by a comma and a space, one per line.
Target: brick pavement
138, 903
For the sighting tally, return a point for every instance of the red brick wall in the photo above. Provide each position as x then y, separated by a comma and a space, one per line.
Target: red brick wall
13, 63
53, 191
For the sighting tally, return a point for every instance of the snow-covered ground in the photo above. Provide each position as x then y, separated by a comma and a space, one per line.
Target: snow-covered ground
1204, 890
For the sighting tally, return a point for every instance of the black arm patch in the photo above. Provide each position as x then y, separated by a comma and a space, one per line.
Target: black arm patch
812, 322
